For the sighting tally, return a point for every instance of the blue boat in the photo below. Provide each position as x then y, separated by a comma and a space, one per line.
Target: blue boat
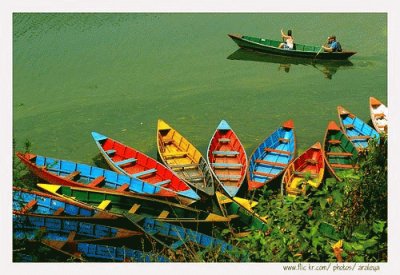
174, 236
27, 227
93, 252
272, 156
356, 130
69, 173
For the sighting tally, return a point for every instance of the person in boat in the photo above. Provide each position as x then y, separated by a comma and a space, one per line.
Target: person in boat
289, 40
332, 45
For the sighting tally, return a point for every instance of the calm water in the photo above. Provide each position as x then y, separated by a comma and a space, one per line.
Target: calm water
118, 73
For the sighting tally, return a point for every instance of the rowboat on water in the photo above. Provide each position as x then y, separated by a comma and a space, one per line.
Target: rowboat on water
26, 226
306, 169
178, 154
227, 159
133, 163
339, 152
93, 252
120, 204
174, 236
272, 47
356, 130
378, 113
272, 156
69, 173
241, 212
39, 203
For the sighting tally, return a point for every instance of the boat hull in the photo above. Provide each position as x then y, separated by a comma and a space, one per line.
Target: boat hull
227, 158
378, 112
302, 51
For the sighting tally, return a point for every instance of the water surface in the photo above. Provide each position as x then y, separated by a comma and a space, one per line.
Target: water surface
118, 73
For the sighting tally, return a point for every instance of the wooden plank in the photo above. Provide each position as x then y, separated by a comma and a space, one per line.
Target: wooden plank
311, 161
110, 152
162, 182
134, 208
59, 211
104, 204
334, 141
125, 161
349, 126
359, 137
175, 154
339, 154
283, 140
164, 214
29, 206
96, 181
277, 151
72, 175
344, 166
123, 187
226, 153
379, 115
184, 165
261, 161
302, 174
264, 174
224, 165
224, 140
145, 172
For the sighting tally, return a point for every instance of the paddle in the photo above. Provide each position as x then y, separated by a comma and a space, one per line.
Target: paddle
318, 53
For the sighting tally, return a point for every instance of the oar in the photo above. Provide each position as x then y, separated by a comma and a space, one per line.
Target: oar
318, 53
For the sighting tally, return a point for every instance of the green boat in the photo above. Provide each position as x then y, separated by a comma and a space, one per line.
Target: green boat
241, 212
272, 47
339, 152
121, 204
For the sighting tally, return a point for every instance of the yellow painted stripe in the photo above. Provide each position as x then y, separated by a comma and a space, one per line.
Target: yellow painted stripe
51, 188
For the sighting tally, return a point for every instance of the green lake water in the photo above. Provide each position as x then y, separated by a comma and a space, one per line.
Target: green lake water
118, 73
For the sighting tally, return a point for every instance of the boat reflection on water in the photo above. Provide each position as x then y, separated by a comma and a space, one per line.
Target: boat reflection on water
328, 68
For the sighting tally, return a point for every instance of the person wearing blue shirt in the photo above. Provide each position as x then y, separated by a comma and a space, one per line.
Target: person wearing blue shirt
333, 45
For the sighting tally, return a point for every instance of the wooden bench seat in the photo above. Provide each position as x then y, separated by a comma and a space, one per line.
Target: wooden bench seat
123, 187
160, 183
97, 181
184, 165
277, 151
302, 174
104, 204
283, 140
344, 166
72, 175
228, 177
29, 206
334, 141
226, 153
110, 152
339, 154
224, 140
59, 211
260, 161
175, 155
359, 137
126, 161
349, 126
134, 208
264, 174
311, 161
144, 173
224, 165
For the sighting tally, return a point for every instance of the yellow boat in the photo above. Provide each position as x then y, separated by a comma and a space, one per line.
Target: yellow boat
178, 154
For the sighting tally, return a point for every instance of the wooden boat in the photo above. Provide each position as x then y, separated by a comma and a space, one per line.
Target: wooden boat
120, 204
174, 236
339, 152
308, 168
272, 156
129, 161
227, 159
85, 251
356, 130
39, 203
271, 47
378, 113
26, 226
241, 211
71, 173
178, 154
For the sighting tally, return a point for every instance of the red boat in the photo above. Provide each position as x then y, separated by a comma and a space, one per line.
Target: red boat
306, 169
129, 161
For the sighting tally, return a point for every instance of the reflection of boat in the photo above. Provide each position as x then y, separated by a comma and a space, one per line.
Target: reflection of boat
327, 67
271, 46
